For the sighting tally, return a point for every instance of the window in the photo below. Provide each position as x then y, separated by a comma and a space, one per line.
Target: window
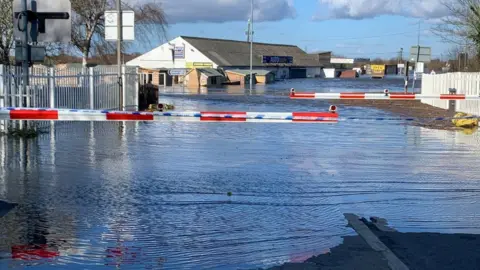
213, 80
150, 78
162, 79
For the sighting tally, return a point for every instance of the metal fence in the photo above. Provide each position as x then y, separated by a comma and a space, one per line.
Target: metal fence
464, 83
69, 88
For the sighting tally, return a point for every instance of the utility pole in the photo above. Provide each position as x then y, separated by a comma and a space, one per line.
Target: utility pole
251, 45
119, 53
418, 57
248, 31
418, 44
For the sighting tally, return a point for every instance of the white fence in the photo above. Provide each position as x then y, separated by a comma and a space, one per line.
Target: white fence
70, 88
464, 83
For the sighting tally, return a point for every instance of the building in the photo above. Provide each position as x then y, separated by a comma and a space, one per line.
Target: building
199, 77
242, 76
284, 61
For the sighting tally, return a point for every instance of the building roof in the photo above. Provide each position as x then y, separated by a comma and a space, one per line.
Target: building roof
259, 72
237, 53
210, 72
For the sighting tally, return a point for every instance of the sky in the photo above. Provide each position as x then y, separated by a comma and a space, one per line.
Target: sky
351, 28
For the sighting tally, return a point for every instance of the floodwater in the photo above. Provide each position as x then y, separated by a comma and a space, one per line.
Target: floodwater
156, 195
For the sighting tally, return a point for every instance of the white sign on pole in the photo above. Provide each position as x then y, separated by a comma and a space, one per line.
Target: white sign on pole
128, 25
420, 67
177, 72
54, 22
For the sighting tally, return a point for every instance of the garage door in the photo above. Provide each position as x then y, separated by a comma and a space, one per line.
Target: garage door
298, 73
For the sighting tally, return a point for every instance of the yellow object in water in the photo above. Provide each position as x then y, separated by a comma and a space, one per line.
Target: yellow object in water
160, 107
465, 123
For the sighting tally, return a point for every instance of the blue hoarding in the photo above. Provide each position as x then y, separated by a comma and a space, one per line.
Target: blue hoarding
277, 59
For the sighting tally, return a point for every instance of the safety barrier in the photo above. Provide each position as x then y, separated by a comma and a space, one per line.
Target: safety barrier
40, 114
386, 95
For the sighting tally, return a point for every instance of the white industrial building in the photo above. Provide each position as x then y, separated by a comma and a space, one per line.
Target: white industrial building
285, 61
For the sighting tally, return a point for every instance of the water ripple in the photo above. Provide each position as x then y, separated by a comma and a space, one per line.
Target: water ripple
223, 196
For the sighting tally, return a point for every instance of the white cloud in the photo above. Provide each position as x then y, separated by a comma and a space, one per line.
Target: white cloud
361, 9
179, 11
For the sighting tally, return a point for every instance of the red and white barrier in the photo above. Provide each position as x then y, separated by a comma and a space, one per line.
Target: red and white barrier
381, 96
93, 115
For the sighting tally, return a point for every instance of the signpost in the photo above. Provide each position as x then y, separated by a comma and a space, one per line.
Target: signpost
119, 26
111, 25
419, 55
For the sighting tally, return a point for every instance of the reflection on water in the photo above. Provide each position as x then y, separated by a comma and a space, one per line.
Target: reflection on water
152, 195
282, 88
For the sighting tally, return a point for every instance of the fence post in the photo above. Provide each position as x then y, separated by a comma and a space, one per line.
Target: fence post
137, 89
2, 88
51, 86
28, 92
91, 86
3, 97
452, 103
124, 86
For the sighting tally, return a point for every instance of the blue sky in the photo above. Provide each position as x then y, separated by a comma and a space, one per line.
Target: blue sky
355, 28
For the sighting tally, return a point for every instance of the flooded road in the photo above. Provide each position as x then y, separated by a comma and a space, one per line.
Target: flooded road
153, 195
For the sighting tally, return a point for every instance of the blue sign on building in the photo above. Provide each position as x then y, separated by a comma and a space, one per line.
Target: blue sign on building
179, 52
277, 59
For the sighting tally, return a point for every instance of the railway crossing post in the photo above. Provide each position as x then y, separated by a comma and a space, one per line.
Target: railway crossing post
452, 104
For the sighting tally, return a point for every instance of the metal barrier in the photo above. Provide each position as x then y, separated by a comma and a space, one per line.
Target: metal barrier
68, 87
39, 114
386, 95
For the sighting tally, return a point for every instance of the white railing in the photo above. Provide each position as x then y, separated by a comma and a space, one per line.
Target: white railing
464, 83
69, 87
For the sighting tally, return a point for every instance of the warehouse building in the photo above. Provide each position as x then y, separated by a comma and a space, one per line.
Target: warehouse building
270, 61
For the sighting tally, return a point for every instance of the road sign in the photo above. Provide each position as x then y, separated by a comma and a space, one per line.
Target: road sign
128, 25
424, 56
177, 72
52, 20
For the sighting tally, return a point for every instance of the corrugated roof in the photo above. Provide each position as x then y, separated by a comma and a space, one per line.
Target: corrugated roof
210, 72
259, 72
237, 53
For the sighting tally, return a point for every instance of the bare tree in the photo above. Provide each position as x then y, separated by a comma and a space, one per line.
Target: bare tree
462, 24
460, 59
6, 30
88, 24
